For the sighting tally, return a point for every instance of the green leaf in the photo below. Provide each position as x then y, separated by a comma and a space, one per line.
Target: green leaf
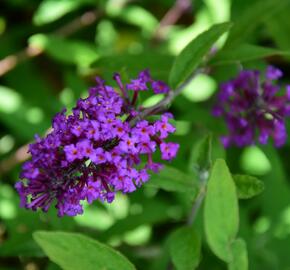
51, 10
184, 246
248, 186
255, 14
192, 55
201, 156
240, 255
172, 179
68, 51
74, 252
221, 214
243, 53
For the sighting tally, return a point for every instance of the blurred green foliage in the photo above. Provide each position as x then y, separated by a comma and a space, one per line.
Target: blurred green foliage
51, 50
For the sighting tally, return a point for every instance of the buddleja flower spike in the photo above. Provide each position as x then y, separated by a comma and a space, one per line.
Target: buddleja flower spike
96, 151
253, 108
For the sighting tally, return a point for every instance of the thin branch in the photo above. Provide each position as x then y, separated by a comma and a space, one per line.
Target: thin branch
11, 61
17, 157
171, 17
88, 18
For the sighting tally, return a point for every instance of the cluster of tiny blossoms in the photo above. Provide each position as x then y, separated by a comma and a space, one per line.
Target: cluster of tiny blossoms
253, 108
97, 150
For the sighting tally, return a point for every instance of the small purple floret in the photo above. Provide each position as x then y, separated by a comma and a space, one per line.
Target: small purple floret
160, 87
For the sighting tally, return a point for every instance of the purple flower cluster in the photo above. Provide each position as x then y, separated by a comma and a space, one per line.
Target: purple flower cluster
253, 108
97, 150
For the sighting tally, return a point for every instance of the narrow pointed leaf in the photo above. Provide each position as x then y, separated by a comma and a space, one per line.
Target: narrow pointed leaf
243, 53
192, 55
251, 18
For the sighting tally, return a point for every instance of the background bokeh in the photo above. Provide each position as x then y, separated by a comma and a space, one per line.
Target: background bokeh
50, 52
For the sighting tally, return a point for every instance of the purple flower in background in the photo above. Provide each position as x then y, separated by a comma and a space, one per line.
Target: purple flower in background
97, 150
253, 108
